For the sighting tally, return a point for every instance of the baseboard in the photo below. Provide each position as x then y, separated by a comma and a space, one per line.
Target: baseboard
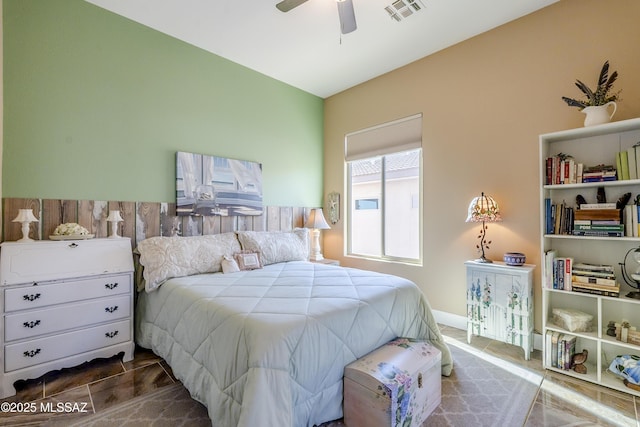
460, 322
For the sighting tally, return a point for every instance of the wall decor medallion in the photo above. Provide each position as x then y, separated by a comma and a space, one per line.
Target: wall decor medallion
333, 207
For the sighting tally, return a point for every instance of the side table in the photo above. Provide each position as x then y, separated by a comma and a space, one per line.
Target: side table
500, 303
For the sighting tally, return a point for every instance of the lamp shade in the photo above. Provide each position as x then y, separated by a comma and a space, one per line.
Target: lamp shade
316, 220
114, 216
483, 209
25, 215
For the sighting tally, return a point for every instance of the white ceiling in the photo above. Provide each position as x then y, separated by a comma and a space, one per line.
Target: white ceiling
304, 47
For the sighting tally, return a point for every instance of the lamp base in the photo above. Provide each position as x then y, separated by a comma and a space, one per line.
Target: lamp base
316, 257
483, 260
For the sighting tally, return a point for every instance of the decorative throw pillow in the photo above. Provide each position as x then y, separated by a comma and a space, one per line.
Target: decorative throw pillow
229, 265
248, 260
277, 246
167, 257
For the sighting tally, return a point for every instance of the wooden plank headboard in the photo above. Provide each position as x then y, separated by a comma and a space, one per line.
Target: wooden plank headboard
141, 219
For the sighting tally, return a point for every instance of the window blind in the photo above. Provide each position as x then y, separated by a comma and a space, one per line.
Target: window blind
392, 137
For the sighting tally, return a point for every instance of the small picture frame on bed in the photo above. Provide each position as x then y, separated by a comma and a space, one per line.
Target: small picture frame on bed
248, 260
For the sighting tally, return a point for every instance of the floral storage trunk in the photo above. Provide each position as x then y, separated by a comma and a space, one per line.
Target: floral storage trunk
397, 385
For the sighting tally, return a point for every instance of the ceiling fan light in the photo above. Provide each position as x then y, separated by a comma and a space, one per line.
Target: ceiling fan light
347, 16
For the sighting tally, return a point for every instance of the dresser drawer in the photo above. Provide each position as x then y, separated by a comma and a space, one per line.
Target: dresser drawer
34, 352
34, 296
54, 260
31, 323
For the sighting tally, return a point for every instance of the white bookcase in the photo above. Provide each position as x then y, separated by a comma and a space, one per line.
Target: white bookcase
591, 146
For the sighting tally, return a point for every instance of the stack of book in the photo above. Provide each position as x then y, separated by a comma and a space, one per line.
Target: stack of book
562, 169
559, 349
594, 279
559, 218
600, 173
558, 271
627, 162
598, 219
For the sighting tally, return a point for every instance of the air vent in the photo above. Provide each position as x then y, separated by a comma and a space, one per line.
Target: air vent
402, 9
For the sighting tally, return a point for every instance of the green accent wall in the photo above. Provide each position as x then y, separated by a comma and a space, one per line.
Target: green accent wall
96, 106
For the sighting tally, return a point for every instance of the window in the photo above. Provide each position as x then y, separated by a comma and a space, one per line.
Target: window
385, 175
362, 204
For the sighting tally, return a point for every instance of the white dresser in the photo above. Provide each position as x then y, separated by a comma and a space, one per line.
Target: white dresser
63, 303
500, 303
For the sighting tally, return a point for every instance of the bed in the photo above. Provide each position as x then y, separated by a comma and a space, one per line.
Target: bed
267, 346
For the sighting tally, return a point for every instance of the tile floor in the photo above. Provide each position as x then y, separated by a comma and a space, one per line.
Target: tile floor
561, 400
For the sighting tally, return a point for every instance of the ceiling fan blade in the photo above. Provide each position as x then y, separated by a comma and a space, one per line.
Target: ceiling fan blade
287, 5
347, 16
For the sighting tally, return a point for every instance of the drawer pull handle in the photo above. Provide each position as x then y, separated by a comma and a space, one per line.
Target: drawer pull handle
111, 285
111, 334
111, 309
420, 380
31, 324
31, 297
32, 353
73, 245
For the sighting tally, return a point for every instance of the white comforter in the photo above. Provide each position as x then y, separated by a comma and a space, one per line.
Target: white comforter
267, 347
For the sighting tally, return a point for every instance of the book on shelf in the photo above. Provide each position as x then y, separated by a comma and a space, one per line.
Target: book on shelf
608, 268
601, 227
597, 286
593, 280
627, 216
612, 291
600, 173
627, 162
561, 272
559, 218
636, 148
549, 260
586, 206
624, 163
597, 214
598, 233
559, 349
594, 274
631, 158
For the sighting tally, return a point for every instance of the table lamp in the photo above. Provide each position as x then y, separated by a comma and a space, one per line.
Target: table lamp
25, 216
483, 209
316, 222
114, 218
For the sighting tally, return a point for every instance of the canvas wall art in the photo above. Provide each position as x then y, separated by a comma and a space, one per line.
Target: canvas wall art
211, 185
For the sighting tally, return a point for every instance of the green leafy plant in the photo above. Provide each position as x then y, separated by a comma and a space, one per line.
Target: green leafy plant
601, 95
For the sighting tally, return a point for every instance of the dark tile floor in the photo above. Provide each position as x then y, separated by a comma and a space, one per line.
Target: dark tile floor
101, 384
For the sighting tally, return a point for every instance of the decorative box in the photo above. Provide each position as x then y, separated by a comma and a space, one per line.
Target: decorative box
397, 385
572, 320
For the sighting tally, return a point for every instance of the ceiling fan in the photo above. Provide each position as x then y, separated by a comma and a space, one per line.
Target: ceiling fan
345, 12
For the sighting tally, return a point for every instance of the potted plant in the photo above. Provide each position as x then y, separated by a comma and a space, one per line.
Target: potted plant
597, 102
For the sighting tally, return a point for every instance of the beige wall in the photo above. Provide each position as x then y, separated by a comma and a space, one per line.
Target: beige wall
484, 102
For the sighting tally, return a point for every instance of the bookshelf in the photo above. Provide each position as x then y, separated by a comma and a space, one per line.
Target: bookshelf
589, 146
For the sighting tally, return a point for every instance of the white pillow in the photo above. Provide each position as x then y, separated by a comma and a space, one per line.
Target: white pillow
167, 257
277, 246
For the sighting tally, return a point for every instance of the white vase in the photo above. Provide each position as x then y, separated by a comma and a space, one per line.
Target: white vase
597, 115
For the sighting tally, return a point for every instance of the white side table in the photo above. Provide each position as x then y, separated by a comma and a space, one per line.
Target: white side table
500, 303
